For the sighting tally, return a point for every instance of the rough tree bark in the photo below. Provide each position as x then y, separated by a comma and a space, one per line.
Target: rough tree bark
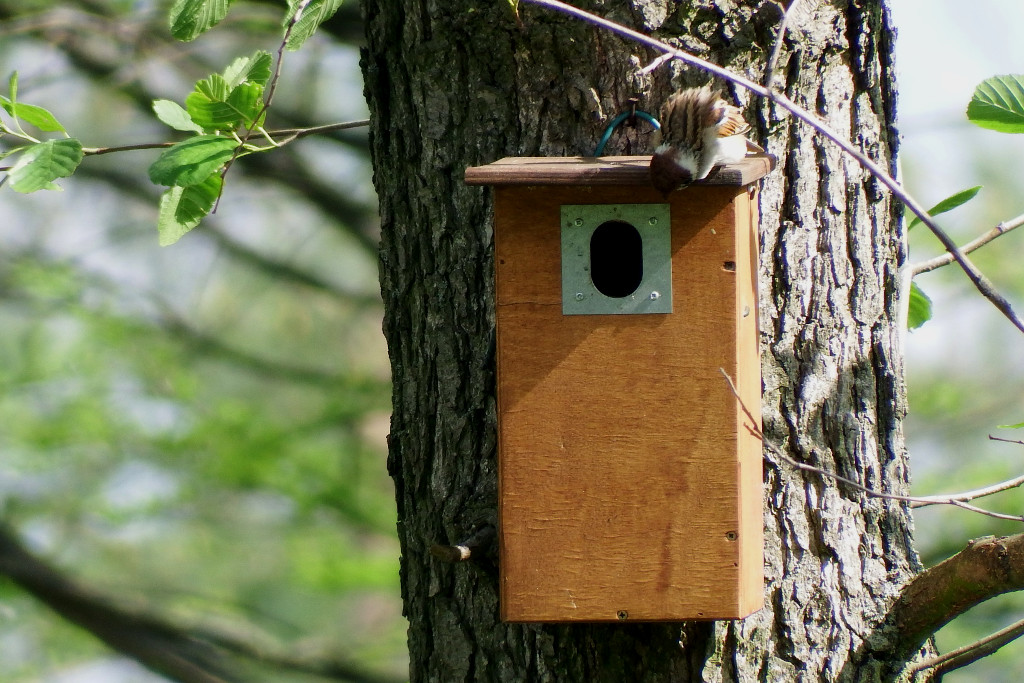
454, 83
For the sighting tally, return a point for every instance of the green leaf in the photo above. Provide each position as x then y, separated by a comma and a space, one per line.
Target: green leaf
182, 208
174, 116
29, 113
214, 105
252, 69
949, 203
247, 101
314, 13
208, 107
998, 104
33, 115
192, 161
1019, 425
920, 310
191, 18
42, 163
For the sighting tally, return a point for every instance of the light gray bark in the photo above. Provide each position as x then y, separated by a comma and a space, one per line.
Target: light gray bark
456, 83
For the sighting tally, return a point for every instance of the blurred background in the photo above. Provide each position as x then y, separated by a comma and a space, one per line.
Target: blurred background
199, 431
965, 367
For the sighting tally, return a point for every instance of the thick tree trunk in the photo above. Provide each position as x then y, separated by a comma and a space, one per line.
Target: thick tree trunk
456, 83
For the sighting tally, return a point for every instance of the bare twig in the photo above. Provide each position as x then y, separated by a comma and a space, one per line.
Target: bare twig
667, 57
970, 495
945, 259
272, 88
961, 657
999, 438
982, 283
956, 500
769, 71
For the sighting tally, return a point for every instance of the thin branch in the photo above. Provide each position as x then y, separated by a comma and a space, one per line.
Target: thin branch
667, 57
946, 259
968, 654
970, 495
289, 135
778, 453
272, 88
769, 71
999, 438
980, 282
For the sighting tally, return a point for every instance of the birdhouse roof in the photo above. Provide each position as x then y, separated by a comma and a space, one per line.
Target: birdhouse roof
618, 170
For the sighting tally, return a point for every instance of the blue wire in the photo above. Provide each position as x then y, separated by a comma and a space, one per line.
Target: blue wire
617, 121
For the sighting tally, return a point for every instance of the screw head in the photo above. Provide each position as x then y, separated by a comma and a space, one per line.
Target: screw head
653, 220
655, 296
578, 222
579, 296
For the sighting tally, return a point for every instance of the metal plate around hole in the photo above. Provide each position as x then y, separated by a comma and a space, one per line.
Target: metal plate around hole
579, 295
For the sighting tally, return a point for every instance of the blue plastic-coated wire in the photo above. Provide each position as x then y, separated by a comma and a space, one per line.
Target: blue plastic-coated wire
617, 121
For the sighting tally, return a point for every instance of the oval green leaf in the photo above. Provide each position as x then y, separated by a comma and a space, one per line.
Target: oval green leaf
255, 68
42, 163
181, 208
192, 161
191, 18
313, 14
949, 203
31, 114
920, 310
174, 116
998, 104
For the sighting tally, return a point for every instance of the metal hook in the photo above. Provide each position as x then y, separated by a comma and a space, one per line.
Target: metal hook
617, 121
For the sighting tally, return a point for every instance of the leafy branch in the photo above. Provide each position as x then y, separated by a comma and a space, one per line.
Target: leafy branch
224, 113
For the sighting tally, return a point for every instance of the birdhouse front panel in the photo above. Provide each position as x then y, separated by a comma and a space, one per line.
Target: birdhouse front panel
629, 480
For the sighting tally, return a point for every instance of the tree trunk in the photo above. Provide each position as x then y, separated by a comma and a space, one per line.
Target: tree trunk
452, 84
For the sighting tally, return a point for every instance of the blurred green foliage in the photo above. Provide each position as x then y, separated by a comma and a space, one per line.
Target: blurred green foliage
200, 429
963, 367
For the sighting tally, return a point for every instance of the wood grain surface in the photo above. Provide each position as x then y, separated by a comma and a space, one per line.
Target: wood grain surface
629, 487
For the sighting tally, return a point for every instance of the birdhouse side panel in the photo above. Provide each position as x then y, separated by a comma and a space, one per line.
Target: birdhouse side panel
748, 385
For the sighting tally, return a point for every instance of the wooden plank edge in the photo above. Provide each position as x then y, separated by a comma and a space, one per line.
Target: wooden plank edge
631, 170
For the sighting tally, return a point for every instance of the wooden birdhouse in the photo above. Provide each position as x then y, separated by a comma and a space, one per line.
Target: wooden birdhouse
629, 475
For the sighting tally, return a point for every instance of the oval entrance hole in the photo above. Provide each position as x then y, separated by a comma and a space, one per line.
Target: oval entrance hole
616, 259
